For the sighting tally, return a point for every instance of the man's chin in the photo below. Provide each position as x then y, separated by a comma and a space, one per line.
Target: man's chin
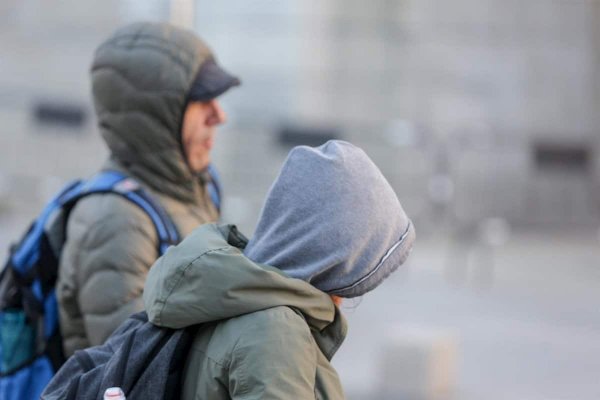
200, 167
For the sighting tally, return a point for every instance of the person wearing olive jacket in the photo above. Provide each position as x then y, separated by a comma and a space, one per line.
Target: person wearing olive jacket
154, 88
331, 228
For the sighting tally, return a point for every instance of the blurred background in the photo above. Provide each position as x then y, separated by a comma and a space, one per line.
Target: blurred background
483, 115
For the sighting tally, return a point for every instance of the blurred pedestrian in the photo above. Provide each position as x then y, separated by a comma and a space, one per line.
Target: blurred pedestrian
331, 228
155, 89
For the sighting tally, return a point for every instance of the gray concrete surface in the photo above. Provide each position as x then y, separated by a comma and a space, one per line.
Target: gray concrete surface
531, 333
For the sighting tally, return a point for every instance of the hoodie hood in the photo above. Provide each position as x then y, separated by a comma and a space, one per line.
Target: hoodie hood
206, 279
333, 220
141, 77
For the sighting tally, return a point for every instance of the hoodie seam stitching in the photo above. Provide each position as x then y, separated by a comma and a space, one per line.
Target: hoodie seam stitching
400, 243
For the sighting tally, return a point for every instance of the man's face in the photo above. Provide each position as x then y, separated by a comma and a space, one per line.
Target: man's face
199, 125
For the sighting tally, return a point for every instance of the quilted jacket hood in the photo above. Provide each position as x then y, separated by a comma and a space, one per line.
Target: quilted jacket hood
141, 77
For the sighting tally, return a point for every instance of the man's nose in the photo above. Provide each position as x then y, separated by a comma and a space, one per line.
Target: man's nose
217, 115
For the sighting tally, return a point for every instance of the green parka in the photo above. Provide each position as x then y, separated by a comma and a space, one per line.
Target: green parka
140, 80
263, 335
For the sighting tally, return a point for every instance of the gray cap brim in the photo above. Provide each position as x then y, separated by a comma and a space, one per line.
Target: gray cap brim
211, 81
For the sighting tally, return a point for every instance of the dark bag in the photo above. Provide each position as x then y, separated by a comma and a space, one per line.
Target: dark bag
145, 361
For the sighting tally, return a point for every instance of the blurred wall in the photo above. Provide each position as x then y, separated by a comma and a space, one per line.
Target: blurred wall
481, 113
463, 94
451, 98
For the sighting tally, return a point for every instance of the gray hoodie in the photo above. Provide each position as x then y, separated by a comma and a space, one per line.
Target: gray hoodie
333, 220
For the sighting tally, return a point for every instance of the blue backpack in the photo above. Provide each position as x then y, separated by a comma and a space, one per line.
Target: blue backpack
30, 341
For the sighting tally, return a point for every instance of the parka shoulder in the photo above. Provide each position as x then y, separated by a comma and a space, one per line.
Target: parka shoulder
267, 354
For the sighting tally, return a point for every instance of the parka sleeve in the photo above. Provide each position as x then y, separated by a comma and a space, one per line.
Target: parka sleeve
108, 260
275, 358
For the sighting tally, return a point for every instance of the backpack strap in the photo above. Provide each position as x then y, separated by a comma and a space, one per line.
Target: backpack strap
118, 183
27, 282
28, 252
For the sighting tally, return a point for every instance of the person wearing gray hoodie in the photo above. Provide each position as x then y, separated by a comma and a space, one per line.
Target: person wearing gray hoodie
331, 228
